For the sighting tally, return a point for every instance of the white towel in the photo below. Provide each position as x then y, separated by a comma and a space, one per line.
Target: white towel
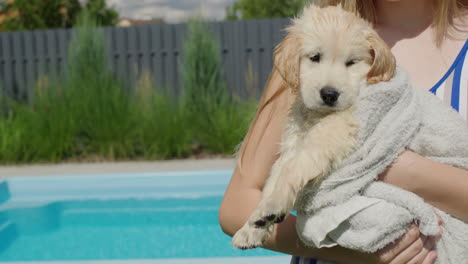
349, 208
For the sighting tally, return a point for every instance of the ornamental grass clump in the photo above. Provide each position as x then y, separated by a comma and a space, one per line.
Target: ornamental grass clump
38, 132
97, 102
219, 121
84, 112
164, 128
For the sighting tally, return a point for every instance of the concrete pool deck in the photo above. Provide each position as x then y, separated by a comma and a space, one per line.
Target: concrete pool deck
116, 167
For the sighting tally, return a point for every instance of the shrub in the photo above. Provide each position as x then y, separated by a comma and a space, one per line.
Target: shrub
219, 121
96, 101
84, 112
163, 129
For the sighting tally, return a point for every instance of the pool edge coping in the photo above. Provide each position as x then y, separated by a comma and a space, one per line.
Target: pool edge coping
117, 166
229, 260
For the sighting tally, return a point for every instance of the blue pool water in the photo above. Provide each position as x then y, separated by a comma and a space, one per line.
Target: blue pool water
141, 216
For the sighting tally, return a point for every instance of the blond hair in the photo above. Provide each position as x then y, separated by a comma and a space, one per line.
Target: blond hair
445, 13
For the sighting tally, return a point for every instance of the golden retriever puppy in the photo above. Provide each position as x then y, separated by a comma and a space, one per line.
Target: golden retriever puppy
326, 56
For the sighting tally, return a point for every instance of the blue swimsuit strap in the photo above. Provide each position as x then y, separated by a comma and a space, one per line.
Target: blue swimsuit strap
298, 259
460, 56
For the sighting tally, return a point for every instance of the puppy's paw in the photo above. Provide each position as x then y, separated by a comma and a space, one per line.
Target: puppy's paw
268, 213
249, 237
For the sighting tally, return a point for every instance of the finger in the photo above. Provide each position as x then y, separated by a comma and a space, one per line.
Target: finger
439, 233
391, 251
431, 257
410, 252
422, 255
439, 219
432, 254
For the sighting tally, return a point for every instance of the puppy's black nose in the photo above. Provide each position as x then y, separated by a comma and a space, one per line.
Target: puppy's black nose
329, 95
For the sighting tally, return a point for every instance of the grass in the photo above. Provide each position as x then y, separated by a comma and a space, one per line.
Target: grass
88, 114
164, 130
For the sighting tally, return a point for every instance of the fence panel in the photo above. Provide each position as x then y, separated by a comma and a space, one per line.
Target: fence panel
29, 61
17, 64
7, 59
31, 57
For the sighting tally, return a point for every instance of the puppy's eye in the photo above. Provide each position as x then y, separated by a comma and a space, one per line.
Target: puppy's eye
316, 58
350, 63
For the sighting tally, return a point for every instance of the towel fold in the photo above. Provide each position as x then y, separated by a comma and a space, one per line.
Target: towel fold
351, 209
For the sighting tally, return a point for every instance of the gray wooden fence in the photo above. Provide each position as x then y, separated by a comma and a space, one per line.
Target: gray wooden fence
246, 50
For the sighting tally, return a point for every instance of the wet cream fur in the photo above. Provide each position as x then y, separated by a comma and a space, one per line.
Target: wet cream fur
317, 137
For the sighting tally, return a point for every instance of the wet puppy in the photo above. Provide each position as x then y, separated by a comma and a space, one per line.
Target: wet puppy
325, 58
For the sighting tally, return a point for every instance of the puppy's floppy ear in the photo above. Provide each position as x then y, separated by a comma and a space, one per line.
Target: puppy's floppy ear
383, 65
286, 59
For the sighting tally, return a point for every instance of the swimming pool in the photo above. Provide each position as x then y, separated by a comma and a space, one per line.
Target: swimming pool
144, 216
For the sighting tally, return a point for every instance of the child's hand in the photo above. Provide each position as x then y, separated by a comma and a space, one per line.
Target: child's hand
413, 247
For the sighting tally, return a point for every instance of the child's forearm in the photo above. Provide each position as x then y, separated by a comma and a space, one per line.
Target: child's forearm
441, 185
237, 207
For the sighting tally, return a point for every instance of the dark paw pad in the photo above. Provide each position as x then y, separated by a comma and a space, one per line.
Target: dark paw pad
246, 248
260, 223
280, 218
270, 217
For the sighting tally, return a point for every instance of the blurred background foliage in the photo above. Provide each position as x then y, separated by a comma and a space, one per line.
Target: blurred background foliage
50, 14
89, 115
253, 9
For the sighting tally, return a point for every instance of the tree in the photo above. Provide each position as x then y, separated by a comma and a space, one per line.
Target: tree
101, 13
38, 14
44, 14
251, 9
